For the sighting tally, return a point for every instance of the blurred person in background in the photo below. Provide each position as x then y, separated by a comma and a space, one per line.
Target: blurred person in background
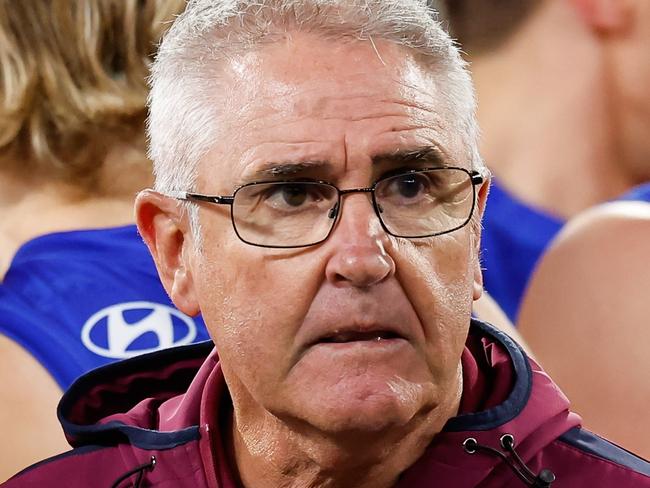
79, 288
586, 313
565, 114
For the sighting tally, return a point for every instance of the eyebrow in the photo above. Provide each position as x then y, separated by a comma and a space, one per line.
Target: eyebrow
275, 170
429, 155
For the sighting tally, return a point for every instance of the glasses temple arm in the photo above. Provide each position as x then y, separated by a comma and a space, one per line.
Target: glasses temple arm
197, 197
480, 176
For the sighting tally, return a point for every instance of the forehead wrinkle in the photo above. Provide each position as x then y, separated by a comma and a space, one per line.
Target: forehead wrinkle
269, 88
411, 105
311, 153
394, 91
297, 93
357, 109
294, 147
421, 94
275, 103
248, 117
288, 130
351, 107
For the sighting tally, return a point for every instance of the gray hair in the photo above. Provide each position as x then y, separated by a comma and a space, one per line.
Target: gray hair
182, 126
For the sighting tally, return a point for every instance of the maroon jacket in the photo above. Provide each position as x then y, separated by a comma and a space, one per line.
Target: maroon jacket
155, 420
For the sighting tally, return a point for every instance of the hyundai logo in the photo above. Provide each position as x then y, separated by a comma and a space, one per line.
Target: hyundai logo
128, 329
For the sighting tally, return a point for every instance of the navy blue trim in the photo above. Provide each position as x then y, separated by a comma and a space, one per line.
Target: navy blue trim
152, 361
74, 452
516, 401
591, 443
152, 439
143, 362
116, 432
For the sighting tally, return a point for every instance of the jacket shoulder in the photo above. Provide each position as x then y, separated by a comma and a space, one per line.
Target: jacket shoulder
95, 465
581, 458
596, 446
62, 467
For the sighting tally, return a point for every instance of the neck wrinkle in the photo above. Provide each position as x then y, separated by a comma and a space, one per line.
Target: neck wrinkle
282, 457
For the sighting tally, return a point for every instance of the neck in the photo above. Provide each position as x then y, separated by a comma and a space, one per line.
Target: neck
547, 124
270, 452
61, 205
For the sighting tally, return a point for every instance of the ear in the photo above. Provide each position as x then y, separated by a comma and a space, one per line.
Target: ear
166, 231
480, 209
605, 16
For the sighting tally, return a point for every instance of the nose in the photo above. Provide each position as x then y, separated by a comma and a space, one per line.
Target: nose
359, 246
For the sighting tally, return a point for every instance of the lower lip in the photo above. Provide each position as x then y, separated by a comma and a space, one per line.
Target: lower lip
378, 345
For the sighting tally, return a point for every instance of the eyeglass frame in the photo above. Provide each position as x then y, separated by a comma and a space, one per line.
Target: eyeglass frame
476, 178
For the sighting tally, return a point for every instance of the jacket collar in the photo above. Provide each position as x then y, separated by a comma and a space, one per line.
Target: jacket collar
165, 399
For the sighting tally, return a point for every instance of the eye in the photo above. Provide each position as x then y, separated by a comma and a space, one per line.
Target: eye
290, 197
293, 195
409, 186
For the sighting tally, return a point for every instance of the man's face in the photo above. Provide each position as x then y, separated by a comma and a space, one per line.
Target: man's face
297, 329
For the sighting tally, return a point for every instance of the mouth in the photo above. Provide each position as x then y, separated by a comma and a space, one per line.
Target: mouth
344, 337
358, 341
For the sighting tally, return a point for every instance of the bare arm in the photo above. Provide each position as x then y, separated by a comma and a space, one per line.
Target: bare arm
30, 429
586, 315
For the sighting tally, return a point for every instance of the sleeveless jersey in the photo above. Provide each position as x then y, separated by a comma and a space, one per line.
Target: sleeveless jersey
639, 193
80, 299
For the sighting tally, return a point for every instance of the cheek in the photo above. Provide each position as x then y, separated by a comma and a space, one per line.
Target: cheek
253, 301
442, 266
438, 277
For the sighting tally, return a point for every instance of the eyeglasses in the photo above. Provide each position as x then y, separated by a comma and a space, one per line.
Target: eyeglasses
299, 213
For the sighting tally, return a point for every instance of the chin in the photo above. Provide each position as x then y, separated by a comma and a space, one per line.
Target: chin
371, 406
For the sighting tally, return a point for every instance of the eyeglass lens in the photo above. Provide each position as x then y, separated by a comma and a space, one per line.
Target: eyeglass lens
292, 214
425, 203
